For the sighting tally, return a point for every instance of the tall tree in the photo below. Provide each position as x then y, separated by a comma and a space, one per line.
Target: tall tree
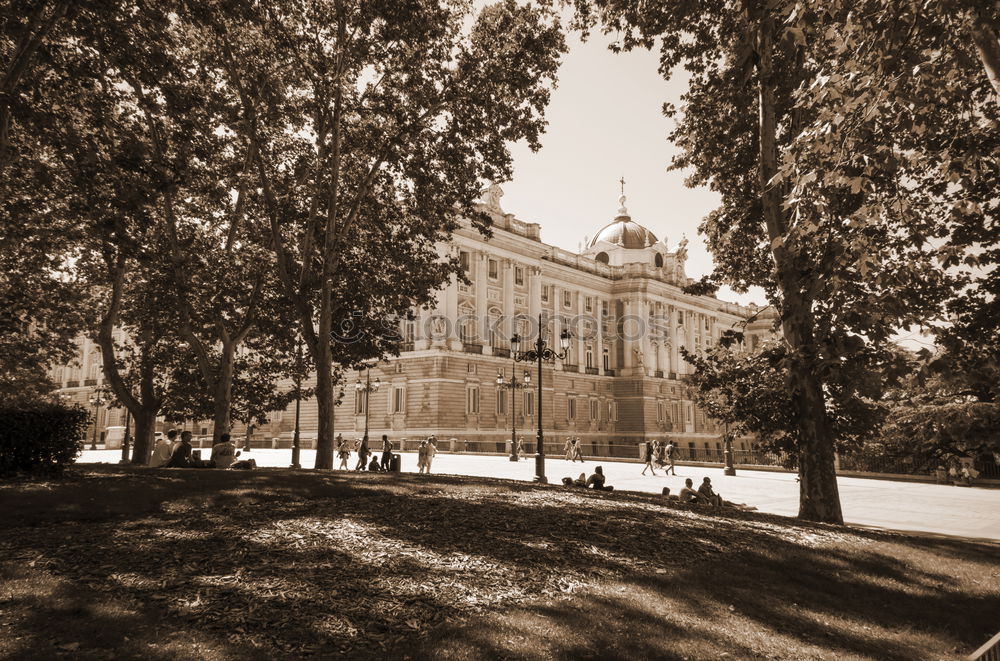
815, 207
374, 125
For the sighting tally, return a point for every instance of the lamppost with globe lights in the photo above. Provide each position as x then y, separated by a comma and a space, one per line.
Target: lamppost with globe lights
540, 353
367, 387
514, 385
95, 400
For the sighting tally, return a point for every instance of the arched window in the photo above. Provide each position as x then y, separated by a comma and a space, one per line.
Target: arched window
602, 257
493, 330
658, 260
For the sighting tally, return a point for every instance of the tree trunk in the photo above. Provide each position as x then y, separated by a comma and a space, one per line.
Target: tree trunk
224, 392
145, 426
819, 499
324, 382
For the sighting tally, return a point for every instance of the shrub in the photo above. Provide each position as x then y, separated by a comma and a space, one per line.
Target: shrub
40, 440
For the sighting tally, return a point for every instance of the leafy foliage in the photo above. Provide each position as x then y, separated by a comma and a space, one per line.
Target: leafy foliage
748, 391
40, 440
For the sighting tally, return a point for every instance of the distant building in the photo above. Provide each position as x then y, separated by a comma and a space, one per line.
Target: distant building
619, 384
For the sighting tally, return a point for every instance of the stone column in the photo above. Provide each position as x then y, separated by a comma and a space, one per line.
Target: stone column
552, 339
451, 311
628, 329
599, 340
507, 327
482, 293
581, 344
648, 355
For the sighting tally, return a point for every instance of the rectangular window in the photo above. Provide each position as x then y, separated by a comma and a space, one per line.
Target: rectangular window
494, 269
604, 308
571, 408
359, 402
501, 401
398, 401
607, 359
465, 261
613, 411
675, 413
472, 400
595, 409
518, 275
567, 299
589, 303
659, 411
545, 293
680, 317
529, 403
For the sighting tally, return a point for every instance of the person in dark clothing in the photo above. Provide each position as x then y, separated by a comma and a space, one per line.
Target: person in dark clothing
181, 457
363, 453
373, 466
386, 452
597, 480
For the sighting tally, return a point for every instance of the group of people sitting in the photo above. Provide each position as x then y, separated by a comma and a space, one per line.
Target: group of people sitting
169, 452
595, 481
704, 495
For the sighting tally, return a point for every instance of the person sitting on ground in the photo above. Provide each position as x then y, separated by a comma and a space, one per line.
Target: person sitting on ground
163, 449
689, 495
244, 464
581, 481
373, 465
181, 457
224, 452
708, 493
597, 480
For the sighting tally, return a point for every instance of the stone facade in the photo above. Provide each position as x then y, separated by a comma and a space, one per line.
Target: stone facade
620, 382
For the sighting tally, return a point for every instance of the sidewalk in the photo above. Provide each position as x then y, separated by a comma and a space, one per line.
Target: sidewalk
908, 506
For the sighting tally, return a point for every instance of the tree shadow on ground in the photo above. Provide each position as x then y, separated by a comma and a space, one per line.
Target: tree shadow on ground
280, 564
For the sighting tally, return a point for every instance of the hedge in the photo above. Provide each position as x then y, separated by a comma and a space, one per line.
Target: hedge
41, 440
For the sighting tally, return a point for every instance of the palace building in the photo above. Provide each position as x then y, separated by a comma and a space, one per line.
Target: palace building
620, 382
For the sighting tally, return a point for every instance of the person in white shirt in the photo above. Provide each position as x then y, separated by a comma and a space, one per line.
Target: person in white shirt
162, 450
224, 452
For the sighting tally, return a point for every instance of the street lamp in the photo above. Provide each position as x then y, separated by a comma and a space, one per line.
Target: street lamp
514, 385
367, 388
727, 441
540, 353
298, 403
95, 401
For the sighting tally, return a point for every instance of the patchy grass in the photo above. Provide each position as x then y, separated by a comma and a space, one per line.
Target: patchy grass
119, 562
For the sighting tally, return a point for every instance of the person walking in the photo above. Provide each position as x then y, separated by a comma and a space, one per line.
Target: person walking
577, 449
362, 455
343, 452
647, 456
422, 456
520, 448
568, 449
431, 451
386, 452
670, 452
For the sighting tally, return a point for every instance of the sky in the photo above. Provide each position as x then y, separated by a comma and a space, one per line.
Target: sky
605, 123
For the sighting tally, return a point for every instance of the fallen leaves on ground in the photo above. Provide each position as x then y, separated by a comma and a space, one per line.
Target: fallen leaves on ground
363, 574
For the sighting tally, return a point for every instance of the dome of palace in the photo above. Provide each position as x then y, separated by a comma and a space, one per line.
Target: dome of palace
624, 232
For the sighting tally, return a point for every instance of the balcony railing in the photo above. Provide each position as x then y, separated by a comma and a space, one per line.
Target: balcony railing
673, 376
90, 382
501, 352
472, 348
406, 346
72, 384
609, 372
591, 370
571, 368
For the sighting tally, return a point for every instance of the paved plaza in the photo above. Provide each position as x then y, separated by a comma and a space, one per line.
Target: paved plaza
908, 506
